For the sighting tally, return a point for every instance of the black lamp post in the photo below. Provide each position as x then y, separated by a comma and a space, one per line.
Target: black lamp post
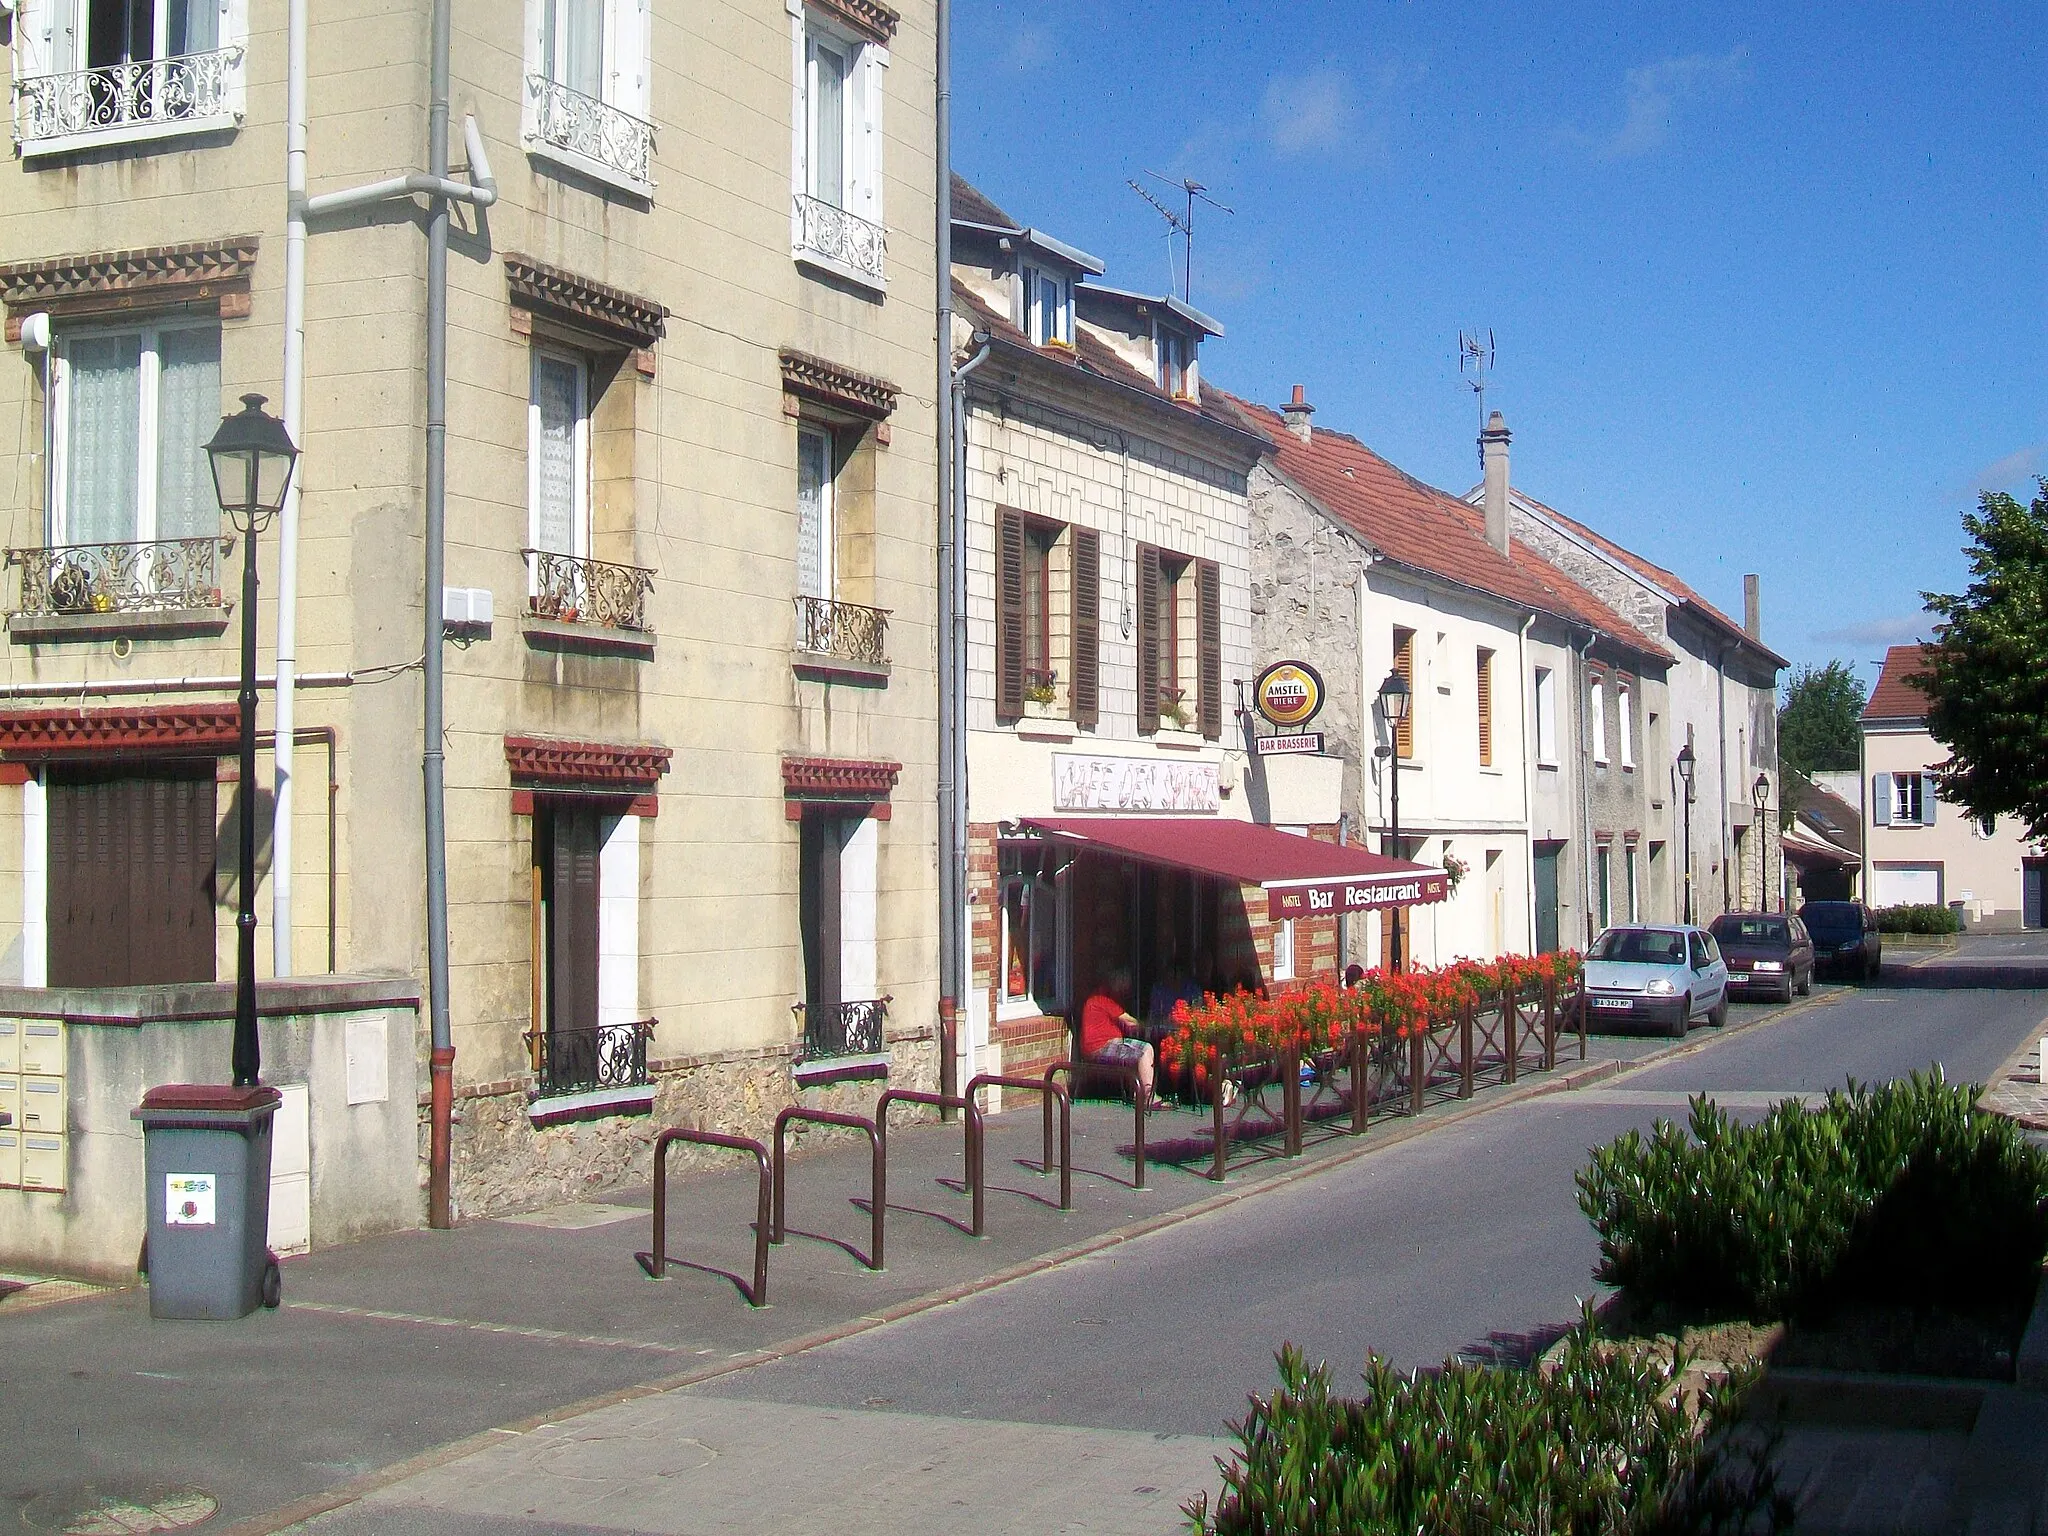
1760, 795
1394, 701
252, 458
1686, 768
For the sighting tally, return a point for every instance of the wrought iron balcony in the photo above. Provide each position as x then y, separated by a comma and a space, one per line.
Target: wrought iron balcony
842, 1029
591, 129
587, 1060
567, 590
188, 91
843, 631
840, 237
147, 577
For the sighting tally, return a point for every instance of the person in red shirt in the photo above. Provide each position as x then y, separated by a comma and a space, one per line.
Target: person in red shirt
1108, 1032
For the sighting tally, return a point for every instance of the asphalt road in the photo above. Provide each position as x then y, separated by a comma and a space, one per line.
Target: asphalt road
1467, 1239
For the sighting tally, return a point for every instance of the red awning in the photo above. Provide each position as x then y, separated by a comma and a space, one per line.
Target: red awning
1301, 876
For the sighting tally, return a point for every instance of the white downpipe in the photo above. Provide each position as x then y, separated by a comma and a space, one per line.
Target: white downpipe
286, 713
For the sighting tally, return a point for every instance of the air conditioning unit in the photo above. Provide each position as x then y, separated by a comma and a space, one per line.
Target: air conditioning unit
466, 612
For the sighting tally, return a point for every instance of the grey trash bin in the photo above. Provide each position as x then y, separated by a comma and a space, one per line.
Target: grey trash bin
206, 1161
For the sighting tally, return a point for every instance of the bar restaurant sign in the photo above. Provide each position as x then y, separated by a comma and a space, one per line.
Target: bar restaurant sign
1289, 694
1082, 782
1320, 898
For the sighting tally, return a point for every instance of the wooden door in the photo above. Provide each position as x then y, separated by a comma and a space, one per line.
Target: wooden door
131, 878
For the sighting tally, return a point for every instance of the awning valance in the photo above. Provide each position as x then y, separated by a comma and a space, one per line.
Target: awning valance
1301, 876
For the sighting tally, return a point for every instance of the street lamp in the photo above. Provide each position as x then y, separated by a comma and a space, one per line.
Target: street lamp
1394, 702
1760, 796
1686, 767
252, 457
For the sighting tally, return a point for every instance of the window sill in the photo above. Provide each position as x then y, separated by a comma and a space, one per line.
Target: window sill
561, 1108
150, 624
587, 639
589, 169
1178, 740
840, 1069
803, 256
840, 669
1021, 1009
1046, 728
128, 133
1542, 767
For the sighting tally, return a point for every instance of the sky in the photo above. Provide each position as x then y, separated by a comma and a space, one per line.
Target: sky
1766, 283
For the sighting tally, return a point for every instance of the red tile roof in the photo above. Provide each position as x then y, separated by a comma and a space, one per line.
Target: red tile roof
1431, 530
971, 207
1897, 696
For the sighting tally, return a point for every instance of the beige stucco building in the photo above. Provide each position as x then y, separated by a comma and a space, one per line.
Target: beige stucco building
692, 450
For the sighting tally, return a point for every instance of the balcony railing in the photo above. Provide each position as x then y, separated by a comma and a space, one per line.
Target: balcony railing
190, 90
842, 1029
595, 130
147, 577
843, 631
840, 237
594, 592
587, 1060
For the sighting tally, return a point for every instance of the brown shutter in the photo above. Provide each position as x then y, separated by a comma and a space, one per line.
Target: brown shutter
573, 944
1209, 646
131, 875
1486, 709
1404, 665
1086, 673
1009, 614
1148, 639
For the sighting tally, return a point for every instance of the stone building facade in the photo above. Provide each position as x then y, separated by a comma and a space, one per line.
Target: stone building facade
692, 445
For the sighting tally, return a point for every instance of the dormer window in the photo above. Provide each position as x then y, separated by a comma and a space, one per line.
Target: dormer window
1048, 307
1175, 352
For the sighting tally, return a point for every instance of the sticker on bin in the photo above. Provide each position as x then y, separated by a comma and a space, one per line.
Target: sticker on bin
188, 1199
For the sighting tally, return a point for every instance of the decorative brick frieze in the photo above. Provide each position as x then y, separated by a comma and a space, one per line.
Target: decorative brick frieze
584, 767
583, 304
201, 274
805, 377
190, 730
871, 19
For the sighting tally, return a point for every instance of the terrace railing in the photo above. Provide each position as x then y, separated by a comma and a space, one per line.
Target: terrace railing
595, 592
149, 576
842, 1029
842, 631
840, 237
190, 90
586, 1060
594, 130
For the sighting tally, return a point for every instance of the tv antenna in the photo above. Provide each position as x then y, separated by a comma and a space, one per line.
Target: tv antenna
1182, 224
1475, 360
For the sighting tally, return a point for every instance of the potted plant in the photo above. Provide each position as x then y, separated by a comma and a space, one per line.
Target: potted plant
1454, 870
1041, 694
1173, 709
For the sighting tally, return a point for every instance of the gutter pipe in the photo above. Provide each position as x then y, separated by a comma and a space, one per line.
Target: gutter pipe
952, 877
1525, 690
1721, 765
1582, 690
953, 704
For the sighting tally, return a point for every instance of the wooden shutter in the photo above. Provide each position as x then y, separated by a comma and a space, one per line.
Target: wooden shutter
131, 889
572, 921
1148, 639
1404, 667
1009, 614
818, 908
1486, 709
1209, 646
1926, 799
1881, 799
1086, 671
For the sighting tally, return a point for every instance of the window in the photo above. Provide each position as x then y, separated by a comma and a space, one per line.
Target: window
1624, 704
1603, 884
1546, 718
1048, 603
1030, 934
587, 99
1984, 827
836, 915
1048, 307
837, 166
1404, 668
1283, 950
1903, 799
94, 71
131, 874
586, 944
1175, 352
1484, 693
1630, 871
815, 543
558, 457
1596, 717
134, 410
1180, 643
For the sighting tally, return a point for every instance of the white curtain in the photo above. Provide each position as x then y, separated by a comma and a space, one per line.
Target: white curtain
574, 45
813, 514
194, 27
188, 411
102, 424
828, 123
558, 397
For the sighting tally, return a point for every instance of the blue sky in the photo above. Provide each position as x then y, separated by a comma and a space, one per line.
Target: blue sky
1768, 283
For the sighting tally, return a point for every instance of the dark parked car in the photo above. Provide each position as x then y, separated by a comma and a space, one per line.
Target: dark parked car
1845, 938
1769, 954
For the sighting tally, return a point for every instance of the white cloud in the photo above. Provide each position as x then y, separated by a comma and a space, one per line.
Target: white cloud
2016, 468
1653, 95
1902, 629
1307, 112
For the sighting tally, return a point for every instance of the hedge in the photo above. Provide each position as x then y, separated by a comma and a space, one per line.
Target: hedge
1918, 919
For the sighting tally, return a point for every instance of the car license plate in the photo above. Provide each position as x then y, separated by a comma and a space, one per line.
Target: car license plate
1612, 1002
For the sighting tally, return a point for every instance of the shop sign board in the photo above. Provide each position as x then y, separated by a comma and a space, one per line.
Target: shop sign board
1289, 693
1306, 743
1082, 782
1321, 898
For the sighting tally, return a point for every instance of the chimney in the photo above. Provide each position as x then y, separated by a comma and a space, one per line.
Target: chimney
1296, 413
1493, 457
1752, 608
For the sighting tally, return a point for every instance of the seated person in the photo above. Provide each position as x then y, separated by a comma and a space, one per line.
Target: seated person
1110, 1035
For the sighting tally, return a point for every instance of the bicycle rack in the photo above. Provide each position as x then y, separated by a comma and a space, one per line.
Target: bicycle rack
1139, 1105
879, 1177
1048, 1091
973, 1148
656, 1262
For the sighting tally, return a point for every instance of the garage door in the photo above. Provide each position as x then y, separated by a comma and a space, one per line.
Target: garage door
1906, 887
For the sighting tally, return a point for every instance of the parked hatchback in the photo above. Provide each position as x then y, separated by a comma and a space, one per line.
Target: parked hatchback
1661, 976
1845, 938
1769, 954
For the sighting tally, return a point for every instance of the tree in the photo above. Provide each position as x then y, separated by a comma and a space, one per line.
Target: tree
1819, 729
1987, 670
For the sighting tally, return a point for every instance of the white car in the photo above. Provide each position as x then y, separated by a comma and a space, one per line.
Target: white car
1656, 974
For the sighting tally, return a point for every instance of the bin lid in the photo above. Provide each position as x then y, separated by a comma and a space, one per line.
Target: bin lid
213, 1096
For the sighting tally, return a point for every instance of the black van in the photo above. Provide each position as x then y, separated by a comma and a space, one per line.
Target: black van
1845, 938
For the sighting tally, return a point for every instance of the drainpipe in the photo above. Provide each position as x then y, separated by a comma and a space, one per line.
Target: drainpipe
288, 521
1581, 690
952, 880
953, 715
1721, 761
1522, 684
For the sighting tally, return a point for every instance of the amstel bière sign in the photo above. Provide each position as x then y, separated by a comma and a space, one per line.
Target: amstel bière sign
1289, 693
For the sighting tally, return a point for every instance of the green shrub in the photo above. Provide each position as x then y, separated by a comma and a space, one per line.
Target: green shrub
1605, 1444
1905, 1194
1918, 919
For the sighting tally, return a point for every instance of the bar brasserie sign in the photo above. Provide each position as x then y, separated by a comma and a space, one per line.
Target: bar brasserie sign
1085, 783
1323, 897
